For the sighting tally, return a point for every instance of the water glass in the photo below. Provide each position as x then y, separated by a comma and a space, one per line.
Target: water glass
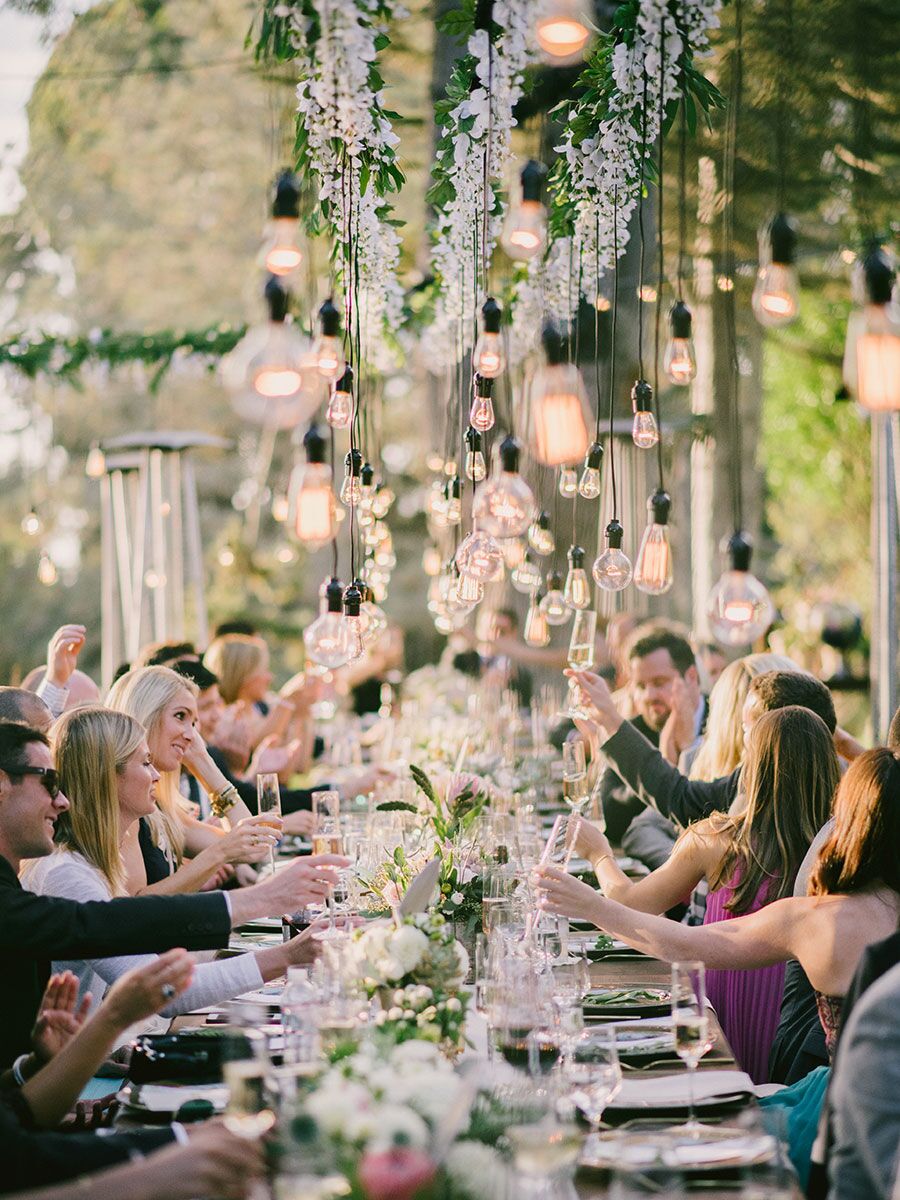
268, 798
690, 1024
593, 1073
248, 1114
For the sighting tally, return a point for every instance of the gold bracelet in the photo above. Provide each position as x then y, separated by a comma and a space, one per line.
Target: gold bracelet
603, 857
221, 802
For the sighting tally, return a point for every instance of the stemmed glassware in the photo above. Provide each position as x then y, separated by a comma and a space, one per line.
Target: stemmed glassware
581, 655
248, 1114
268, 797
576, 791
691, 1025
593, 1071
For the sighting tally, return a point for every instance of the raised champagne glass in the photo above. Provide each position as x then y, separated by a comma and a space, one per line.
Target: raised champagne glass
268, 796
581, 655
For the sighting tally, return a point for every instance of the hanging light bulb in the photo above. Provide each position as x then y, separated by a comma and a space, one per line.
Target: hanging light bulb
431, 561
479, 555
739, 609
32, 524
47, 573
505, 505
776, 300
281, 254
373, 618
351, 488
679, 362
513, 551
653, 569
568, 482
537, 627
488, 359
526, 577
326, 639
469, 591
382, 500
453, 496
311, 503
554, 605
353, 623
559, 409
872, 351
540, 539
436, 505
276, 372
525, 229
612, 569
481, 414
644, 431
563, 29
366, 516
577, 592
327, 352
95, 463
339, 413
476, 468
281, 507
589, 483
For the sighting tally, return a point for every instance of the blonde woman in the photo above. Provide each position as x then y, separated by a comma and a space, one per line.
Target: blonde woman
170, 850
107, 774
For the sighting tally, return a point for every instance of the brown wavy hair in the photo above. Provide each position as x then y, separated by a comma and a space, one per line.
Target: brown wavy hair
790, 776
864, 847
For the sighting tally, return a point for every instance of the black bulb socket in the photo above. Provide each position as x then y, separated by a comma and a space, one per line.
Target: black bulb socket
491, 314
594, 457
509, 455
614, 534
454, 488
362, 588
554, 582
642, 396
287, 195
345, 383
543, 519
483, 386
532, 178
659, 505
739, 549
334, 595
553, 343
878, 273
575, 556
473, 439
353, 462
680, 320
352, 601
278, 299
329, 319
367, 475
783, 239
314, 445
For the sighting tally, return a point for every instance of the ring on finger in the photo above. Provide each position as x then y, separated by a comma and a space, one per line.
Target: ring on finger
168, 991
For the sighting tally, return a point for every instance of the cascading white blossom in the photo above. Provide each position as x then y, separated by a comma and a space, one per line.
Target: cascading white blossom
348, 140
480, 128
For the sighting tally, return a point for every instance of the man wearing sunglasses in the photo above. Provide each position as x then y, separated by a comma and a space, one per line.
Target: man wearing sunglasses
36, 929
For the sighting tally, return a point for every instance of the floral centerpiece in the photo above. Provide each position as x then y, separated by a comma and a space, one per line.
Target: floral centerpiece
416, 968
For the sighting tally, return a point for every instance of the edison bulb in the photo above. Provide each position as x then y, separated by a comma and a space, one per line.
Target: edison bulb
589, 484
481, 414
644, 430
382, 500
525, 230
559, 415
95, 463
513, 551
554, 605
476, 467
612, 570
568, 482
282, 254
577, 591
311, 504
276, 372
540, 538
776, 295
339, 412
351, 490
537, 628
329, 357
454, 502
563, 30
653, 570
504, 506
469, 590
526, 577
489, 359
679, 361
479, 555
739, 609
31, 524
47, 573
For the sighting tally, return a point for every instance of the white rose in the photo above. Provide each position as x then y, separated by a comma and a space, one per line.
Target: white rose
454, 1004
408, 946
330, 1105
457, 898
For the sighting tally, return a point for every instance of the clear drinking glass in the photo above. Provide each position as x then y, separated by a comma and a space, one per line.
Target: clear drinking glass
691, 1027
268, 797
581, 654
593, 1073
326, 803
248, 1114
328, 839
576, 791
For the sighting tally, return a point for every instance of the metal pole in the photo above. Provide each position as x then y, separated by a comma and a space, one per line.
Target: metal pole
158, 544
883, 658
175, 547
110, 642
194, 546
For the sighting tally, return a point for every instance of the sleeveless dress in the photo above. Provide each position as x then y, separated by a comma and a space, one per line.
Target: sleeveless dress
747, 1003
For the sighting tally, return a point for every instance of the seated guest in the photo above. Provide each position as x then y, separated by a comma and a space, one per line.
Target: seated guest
711, 662
59, 683
107, 775
170, 850
749, 860
163, 654
34, 929
17, 704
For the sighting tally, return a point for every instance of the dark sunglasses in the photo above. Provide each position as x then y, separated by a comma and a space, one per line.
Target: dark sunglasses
49, 776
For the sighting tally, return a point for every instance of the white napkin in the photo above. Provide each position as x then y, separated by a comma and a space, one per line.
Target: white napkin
671, 1091
162, 1098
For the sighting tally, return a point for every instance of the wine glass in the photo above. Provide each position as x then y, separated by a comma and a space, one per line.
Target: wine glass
691, 1025
576, 792
268, 798
248, 1114
594, 1073
581, 655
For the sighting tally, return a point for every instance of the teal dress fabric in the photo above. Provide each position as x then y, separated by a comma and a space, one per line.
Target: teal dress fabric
795, 1111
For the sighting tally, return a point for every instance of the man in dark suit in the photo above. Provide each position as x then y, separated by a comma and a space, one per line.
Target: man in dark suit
36, 929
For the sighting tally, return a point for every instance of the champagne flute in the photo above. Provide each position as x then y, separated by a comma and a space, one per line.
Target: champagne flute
268, 797
248, 1115
576, 792
594, 1073
581, 654
326, 803
690, 1024
328, 839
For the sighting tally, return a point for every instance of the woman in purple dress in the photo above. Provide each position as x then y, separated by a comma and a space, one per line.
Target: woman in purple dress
749, 860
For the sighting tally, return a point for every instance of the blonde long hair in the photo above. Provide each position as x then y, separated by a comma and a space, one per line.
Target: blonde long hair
723, 744
233, 658
91, 746
144, 694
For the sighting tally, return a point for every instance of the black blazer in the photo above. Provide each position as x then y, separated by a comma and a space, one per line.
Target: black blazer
34, 930
35, 1159
660, 785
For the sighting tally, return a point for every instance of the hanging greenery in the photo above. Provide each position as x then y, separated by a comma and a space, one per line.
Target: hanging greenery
63, 357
